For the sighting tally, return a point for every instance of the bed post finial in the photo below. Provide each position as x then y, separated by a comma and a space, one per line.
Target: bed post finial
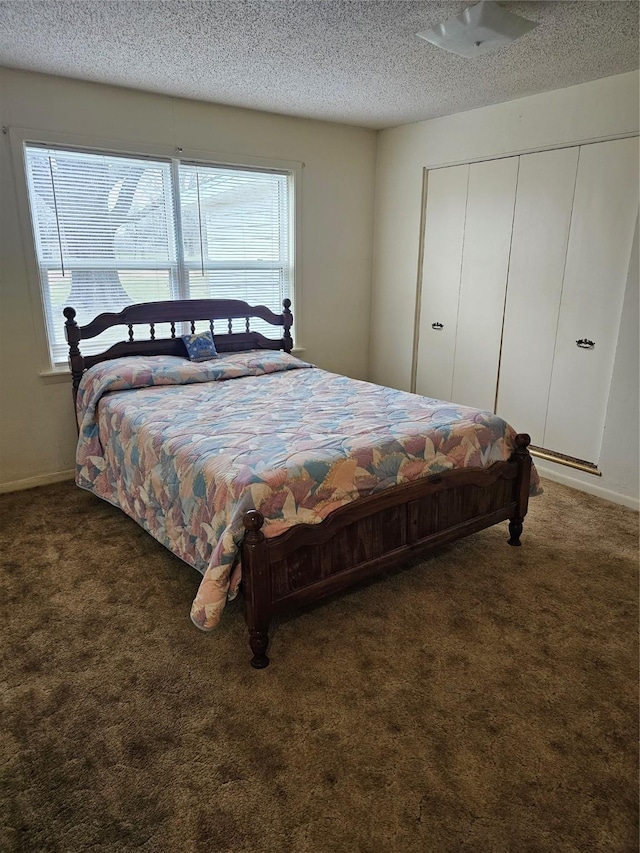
523, 440
287, 318
253, 521
521, 456
72, 333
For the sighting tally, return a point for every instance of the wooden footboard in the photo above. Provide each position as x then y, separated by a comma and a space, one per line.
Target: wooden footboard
362, 539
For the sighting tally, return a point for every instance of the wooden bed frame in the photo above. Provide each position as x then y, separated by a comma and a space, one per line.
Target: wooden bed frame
356, 541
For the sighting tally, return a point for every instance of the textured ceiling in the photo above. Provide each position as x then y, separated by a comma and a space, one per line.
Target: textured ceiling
340, 60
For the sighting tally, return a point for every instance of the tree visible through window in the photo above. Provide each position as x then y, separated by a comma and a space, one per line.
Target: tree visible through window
112, 230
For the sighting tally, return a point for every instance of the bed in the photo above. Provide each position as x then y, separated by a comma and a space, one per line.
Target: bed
271, 476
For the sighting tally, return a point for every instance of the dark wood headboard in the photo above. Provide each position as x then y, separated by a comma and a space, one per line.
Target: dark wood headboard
175, 312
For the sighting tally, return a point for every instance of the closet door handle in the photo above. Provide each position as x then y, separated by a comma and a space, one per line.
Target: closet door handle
437, 326
585, 343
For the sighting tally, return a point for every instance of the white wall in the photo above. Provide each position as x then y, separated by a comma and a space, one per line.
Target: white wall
590, 111
37, 433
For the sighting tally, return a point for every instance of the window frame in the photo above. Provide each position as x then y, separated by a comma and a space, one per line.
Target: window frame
21, 137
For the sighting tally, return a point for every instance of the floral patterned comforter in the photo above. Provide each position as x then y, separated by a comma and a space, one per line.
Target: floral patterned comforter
186, 449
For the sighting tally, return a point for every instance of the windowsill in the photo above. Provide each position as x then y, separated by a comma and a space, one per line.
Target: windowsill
53, 377
63, 374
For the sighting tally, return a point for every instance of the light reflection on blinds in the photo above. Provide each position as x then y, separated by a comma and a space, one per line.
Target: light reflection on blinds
243, 216
109, 209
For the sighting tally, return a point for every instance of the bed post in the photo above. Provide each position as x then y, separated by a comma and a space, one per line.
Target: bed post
287, 317
76, 362
256, 587
522, 457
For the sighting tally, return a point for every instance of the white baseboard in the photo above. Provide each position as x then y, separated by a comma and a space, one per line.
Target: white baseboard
32, 482
583, 486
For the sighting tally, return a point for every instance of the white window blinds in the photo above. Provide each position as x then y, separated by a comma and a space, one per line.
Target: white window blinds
235, 229
112, 230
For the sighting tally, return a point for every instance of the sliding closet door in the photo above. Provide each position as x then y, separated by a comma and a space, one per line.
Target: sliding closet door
541, 223
441, 266
602, 227
485, 261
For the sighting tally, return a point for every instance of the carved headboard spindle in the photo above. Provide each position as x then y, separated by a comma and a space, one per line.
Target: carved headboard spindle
211, 327
247, 325
152, 331
193, 327
130, 327
230, 325
288, 321
173, 329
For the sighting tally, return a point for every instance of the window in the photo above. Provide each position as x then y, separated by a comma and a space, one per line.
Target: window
113, 230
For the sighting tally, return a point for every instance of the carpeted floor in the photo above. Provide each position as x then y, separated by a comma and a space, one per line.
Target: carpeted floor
481, 700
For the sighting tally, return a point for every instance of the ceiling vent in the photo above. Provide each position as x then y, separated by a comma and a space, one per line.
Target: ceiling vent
480, 29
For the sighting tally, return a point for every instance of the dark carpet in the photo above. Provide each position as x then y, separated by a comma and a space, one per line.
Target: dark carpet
481, 700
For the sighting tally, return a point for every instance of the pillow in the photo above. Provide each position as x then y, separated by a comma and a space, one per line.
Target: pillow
200, 347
